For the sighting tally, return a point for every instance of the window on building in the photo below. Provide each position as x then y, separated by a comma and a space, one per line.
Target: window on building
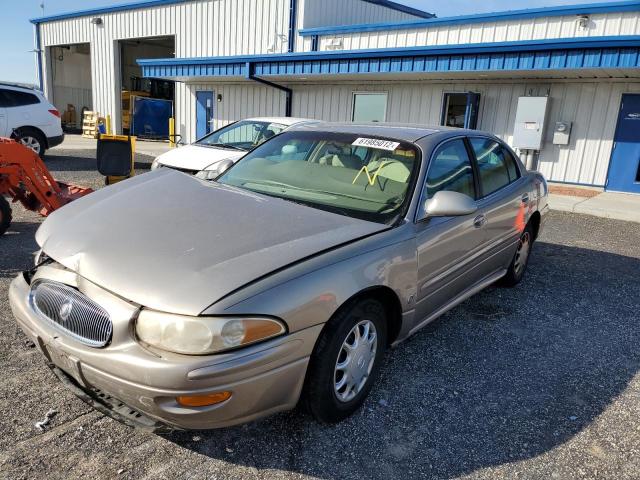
369, 107
460, 110
496, 165
450, 170
15, 98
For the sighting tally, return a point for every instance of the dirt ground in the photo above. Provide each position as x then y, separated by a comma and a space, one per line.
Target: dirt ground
540, 381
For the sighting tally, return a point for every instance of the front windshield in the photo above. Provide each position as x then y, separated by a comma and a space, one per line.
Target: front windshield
367, 178
244, 135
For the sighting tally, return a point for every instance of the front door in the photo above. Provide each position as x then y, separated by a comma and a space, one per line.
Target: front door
448, 248
204, 113
624, 168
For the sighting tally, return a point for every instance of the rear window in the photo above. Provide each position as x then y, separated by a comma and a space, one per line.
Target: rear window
15, 98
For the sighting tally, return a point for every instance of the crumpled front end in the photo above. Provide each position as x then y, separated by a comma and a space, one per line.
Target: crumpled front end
140, 385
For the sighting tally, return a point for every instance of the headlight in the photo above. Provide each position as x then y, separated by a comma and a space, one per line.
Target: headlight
40, 257
156, 164
203, 335
207, 174
214, 170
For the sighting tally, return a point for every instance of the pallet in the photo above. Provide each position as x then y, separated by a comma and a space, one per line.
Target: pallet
90, 122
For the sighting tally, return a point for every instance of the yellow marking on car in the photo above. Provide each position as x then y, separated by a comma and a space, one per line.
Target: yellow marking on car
372, 180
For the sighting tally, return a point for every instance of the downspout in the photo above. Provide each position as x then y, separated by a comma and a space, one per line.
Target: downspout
39, 57
250, 75
293, 17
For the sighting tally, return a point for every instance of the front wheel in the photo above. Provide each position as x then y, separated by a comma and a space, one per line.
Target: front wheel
346, 361
520, 259
5, 215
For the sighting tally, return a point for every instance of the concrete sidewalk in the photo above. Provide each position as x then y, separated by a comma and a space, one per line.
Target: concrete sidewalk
143, 147
619, 206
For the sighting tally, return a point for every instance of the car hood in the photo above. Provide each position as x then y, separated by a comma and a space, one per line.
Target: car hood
195, 157
171, 242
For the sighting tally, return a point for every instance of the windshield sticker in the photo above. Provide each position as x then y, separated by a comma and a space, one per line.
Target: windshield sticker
376, 143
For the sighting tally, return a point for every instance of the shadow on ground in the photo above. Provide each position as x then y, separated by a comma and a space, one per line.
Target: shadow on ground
506, 376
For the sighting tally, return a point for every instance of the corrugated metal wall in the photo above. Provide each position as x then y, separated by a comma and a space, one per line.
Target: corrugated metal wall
617, 23
238, 101
584, 161
319, 13
201, 28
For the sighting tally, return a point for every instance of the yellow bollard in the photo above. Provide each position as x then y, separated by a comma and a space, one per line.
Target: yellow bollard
107, 121
172, 132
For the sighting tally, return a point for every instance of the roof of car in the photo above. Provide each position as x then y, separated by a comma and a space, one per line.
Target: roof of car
282, 120
400, 131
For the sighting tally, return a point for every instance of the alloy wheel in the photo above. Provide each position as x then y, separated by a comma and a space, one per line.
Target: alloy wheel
31, 142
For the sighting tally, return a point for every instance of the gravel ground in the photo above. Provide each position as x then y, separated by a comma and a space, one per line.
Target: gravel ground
540, 381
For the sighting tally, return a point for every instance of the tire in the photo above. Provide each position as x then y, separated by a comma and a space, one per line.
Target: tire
320, 396
520, 260
5, 215
32, 138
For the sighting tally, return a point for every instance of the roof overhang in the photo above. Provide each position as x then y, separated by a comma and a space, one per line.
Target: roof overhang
616, 54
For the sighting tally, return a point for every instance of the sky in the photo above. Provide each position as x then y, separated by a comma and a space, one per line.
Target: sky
17, 61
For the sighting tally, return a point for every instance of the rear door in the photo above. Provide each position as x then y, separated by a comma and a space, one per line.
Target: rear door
503, 202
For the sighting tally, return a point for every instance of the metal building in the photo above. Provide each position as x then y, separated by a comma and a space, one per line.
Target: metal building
577, 66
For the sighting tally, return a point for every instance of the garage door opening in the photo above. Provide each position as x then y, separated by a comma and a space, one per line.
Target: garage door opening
146, 103
70, 68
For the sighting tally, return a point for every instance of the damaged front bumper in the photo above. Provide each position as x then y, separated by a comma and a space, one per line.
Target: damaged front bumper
139, 387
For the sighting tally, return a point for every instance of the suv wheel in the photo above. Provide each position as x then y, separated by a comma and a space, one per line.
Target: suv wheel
33, 139
346, 361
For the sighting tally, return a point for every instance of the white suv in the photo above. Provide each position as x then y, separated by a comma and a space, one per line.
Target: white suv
26, 115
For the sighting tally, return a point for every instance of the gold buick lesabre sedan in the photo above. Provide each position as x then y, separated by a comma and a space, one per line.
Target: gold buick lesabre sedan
169, 301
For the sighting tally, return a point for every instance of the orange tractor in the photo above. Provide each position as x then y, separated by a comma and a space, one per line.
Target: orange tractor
24, 178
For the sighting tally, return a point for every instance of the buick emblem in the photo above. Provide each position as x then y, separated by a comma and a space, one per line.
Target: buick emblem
65, 310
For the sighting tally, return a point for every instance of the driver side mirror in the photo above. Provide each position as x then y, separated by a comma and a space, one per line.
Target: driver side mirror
449, 204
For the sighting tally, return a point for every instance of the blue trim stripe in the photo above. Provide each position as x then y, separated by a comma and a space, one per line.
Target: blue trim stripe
582, 9
159, 3
596, 52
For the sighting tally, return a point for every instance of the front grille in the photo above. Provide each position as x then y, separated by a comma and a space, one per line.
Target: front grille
68, 310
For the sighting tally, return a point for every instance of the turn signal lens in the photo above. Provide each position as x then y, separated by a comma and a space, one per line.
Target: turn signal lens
203, 400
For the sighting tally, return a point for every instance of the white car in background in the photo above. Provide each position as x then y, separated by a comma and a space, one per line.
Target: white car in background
206, 156
27, 116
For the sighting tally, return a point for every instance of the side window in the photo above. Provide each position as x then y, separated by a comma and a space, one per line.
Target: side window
450, 170
496, 165
3, 99
15, 98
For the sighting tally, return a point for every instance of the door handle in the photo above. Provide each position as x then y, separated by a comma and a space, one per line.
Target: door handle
479, 221
525, 198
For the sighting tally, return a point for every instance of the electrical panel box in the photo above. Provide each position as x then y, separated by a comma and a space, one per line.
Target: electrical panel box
528, 133
562, 133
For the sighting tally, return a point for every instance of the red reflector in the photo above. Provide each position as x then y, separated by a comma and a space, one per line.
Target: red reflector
55, 112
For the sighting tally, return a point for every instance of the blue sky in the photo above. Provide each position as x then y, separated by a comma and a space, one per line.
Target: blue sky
16, 33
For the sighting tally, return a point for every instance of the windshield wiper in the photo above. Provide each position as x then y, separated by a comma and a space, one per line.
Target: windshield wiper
223, 145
